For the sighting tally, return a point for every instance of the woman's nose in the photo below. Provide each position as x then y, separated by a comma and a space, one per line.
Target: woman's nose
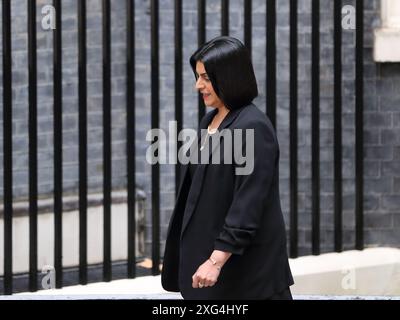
199, 84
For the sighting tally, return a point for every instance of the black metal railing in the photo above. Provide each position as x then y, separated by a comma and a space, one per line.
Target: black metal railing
7, 145
338, 124
58, 162
270, 76
107, 138
271, 102
33, 180
315, 99
293, 144
131, 156
359, 116
155, 123
201, 38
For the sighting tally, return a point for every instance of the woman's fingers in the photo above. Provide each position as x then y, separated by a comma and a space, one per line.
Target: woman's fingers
198, 281
195, 281
209, 282
203, 281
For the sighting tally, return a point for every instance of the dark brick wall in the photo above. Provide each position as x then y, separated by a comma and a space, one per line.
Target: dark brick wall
381, 113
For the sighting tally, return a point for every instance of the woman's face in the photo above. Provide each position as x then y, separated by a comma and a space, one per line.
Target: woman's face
203, 84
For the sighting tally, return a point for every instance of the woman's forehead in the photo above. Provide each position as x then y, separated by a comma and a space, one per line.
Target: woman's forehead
200, 67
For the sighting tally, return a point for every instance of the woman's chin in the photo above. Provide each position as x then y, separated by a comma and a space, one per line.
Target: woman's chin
212, 105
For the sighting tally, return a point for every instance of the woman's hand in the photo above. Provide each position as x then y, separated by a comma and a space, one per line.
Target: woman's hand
207, 274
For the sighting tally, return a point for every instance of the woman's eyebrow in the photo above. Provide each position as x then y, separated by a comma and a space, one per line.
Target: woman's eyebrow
203, 74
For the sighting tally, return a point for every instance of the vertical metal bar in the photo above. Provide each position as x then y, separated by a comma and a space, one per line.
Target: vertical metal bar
155, 104
131, 157
247, 24
338, 123
33, 189
57, 79
106, 140
225, 17
201, 22
293, 130
201, 39
359, 116
271, 61
178, 82
315, 127
82, 142
7, 136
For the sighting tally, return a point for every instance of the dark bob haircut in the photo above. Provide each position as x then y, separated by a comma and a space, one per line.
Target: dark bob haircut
228, 65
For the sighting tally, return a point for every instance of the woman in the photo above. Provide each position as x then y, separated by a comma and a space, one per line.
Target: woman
226, 238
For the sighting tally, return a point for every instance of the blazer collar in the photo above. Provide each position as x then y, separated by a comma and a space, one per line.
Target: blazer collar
232, 114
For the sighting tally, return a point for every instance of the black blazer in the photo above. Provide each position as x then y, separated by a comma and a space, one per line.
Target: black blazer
235, 213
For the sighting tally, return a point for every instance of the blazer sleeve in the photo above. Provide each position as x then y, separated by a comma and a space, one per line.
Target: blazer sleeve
250, 192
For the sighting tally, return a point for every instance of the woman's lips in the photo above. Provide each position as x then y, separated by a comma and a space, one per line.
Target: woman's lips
205, 95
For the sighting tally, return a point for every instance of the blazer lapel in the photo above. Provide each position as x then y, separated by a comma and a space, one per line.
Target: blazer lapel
197, 181
185, 167
203, 125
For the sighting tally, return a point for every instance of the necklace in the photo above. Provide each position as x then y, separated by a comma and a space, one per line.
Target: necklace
209, 132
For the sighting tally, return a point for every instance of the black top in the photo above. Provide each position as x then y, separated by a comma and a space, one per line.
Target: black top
193, 166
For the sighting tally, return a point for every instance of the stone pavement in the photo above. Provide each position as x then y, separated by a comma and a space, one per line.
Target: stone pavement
148, 287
